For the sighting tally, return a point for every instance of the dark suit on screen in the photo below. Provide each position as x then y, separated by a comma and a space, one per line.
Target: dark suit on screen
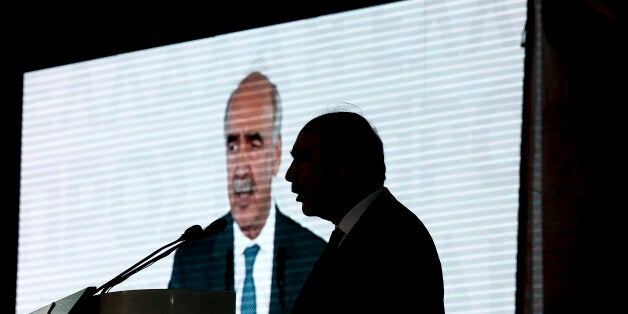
208, 262
376, 269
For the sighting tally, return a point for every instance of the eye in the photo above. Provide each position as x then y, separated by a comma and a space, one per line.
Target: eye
257, 144
232, 147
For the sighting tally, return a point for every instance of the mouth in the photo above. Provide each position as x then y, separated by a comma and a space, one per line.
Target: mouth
243, 186
299, 195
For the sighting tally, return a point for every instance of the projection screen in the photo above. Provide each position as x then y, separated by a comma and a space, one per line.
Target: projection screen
121, 154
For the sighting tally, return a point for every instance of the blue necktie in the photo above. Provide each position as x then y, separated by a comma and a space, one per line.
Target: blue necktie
248, 293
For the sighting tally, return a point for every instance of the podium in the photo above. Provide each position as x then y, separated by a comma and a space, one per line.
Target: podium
154, 301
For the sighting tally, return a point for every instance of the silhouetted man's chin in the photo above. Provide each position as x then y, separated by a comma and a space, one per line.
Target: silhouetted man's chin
307, 210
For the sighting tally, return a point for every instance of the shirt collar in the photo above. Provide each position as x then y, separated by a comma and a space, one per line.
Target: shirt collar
351, 218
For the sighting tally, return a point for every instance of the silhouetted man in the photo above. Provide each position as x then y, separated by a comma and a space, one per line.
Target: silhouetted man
380, 257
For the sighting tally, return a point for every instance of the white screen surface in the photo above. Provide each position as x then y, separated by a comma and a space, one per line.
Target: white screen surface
121, 154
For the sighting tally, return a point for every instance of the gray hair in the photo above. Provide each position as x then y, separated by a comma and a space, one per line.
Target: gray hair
277, 110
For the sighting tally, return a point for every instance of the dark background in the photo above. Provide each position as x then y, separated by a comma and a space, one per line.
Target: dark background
573, 166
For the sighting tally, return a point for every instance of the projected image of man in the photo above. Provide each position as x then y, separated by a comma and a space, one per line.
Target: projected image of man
283, 251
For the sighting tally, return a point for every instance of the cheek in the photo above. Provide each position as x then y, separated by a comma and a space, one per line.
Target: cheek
269, 169
307, 177
269, 162
317, 183
261, 164
231, 166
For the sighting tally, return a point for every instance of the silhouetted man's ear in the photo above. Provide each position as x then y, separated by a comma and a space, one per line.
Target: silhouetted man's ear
345, 169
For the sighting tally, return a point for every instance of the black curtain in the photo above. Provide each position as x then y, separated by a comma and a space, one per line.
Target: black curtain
573, 160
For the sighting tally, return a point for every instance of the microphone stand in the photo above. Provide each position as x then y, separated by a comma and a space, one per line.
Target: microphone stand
80, 301
193, 232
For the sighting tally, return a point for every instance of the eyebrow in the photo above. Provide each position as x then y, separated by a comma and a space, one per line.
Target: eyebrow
249, 137
231, 138
255, 137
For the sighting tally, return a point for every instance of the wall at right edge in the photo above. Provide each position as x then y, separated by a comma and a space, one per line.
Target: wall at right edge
573, 161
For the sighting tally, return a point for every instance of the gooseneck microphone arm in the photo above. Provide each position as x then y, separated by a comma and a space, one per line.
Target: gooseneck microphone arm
133, 269
191, 234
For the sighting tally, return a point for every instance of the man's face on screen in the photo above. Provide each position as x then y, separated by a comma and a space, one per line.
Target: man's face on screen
252, 156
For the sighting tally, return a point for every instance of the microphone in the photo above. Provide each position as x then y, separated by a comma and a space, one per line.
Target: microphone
215, 227
192, 233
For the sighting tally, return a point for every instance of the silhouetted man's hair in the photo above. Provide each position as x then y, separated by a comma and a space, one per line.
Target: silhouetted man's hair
348, 137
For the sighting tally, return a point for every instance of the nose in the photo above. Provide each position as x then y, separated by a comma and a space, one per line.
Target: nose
290, 172
241, 162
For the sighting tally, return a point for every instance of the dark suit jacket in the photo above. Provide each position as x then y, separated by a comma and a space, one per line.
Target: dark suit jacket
208, 263
388, 263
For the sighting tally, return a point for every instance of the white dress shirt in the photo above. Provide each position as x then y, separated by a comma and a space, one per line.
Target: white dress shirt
263, 266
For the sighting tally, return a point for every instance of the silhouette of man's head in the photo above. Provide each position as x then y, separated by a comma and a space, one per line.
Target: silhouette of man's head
338, 159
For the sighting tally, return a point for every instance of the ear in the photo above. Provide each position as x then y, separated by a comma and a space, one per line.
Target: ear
277, 160
344, 169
